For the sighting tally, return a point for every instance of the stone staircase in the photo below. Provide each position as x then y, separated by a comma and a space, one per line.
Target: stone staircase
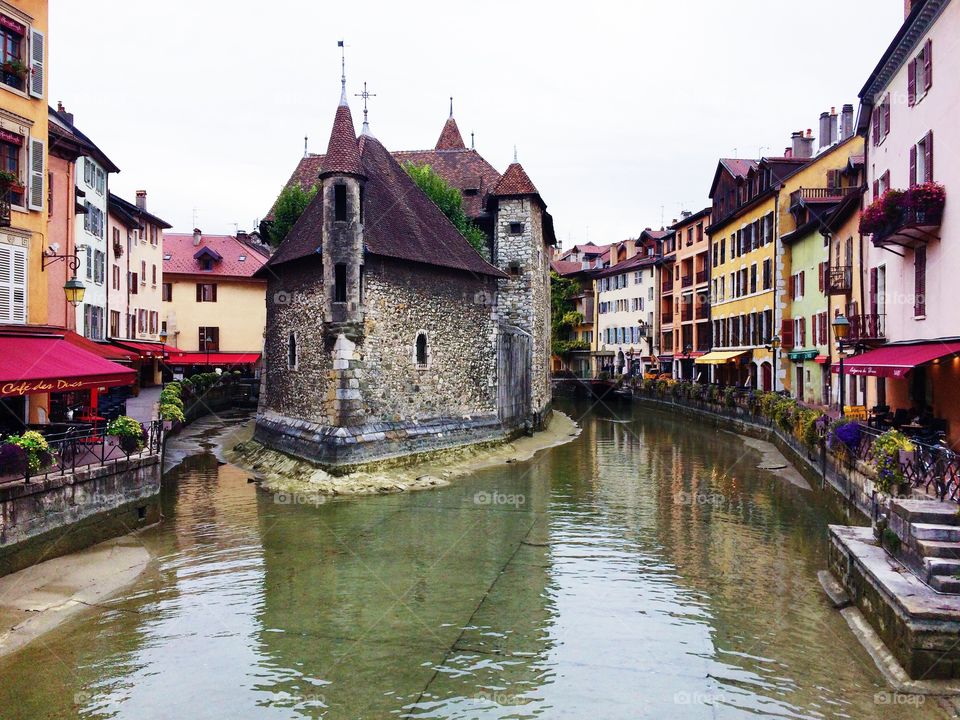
929, 533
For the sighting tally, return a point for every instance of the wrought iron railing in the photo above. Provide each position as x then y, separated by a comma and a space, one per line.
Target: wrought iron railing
839, 279
79, 448
686, 280
909, 218
702, 276
868, 327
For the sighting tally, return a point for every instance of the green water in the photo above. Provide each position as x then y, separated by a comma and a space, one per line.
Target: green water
647, 569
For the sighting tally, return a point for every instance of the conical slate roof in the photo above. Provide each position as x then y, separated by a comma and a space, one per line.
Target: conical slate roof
450, 138
343, 155
515, 181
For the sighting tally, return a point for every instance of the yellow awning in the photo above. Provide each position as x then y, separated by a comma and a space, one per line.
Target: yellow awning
718, 357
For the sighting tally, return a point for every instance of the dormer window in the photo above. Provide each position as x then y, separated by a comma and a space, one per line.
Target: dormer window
340, 203
207, 257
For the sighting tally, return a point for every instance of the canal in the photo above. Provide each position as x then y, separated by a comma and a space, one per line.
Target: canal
646, 569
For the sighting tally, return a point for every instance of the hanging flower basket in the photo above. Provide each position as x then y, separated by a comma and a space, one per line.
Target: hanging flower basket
882, 212
925, 202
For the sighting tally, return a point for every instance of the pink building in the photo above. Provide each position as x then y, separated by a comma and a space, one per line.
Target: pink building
909, 111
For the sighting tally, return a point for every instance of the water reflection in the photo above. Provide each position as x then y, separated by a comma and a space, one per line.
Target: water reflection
645, 570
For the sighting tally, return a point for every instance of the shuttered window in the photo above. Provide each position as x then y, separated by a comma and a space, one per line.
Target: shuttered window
37, 71
912, 83
920, 281
35, 181
928, 65
13, 284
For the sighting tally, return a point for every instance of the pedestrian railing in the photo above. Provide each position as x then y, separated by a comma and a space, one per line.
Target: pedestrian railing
81, 448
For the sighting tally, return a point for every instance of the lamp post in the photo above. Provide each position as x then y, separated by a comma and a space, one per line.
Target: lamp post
841, 331
774, 345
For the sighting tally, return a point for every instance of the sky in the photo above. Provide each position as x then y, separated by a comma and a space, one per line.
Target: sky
618, 111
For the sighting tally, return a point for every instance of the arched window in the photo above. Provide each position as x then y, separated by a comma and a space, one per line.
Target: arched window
421, 356
292, 352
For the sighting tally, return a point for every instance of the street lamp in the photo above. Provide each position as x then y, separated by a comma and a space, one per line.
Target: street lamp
73, 288
841, 331
774, 345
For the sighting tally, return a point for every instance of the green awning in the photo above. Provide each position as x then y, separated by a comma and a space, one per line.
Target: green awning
801, 355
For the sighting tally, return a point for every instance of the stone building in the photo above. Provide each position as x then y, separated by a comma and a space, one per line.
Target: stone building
387, 333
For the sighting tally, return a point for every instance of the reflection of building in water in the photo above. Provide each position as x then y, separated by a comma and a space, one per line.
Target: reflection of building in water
453, 578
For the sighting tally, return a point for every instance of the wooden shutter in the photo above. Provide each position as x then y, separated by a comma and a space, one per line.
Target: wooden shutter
35, 183
786, 334
876, 125
911, 82
873, 291
913, 165
920, 281
886, 115
820, 277
199, 292
37, 72
802, 274
928, 65
928, 158
13, 284
803, 332
792, 287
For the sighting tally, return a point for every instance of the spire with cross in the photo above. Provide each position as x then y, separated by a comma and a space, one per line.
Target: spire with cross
365, 95
343, 73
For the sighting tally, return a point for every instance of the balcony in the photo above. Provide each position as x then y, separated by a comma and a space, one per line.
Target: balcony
912, 228
865, 328
666, 319
667, 285
703, 276
703, 310
686, 280
827, 195
839, 280
686, 312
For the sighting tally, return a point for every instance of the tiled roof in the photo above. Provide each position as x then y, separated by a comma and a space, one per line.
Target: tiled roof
566, 267
450, 138
400, 221
515, 182
342, 154
181, 251
131, 214
635, 262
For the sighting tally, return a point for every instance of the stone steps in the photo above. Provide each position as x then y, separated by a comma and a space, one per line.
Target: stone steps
931, 531
938, 548
945, 584
926, 511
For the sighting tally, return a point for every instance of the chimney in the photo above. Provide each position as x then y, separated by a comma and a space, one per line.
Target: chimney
242, 235
196, 236
846, 122
824, 129
63, 111
833, 125
796, 144
142, 200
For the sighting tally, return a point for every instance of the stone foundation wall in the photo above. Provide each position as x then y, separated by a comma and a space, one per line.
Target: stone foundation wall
61, 514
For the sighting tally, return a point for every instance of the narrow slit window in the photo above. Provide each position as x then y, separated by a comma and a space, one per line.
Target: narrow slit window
340, 283
361, 205
292, 352
421, 350
340, 203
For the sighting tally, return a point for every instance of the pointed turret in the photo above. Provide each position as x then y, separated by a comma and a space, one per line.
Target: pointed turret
515, 181
450, 137
343, 154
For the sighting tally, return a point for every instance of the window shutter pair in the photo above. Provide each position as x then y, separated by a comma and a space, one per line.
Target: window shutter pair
13, 284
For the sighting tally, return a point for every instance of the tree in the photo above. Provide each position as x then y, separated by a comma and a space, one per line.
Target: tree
450, 202
289, 207
564, 317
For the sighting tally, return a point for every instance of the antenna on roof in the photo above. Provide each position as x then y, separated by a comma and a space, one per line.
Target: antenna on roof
451, 106
365, 95
343, 73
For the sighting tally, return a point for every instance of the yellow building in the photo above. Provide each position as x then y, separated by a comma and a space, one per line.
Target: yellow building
745, 196
214, 310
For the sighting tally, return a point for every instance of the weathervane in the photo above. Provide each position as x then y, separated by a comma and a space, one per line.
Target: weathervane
343, 72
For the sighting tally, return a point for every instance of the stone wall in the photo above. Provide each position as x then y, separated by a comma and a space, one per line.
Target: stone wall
59, 514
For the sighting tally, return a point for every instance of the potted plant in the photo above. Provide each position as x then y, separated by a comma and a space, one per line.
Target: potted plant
35, 447
882, 212
886, 456
130, 434
926, 201
15, 66
13, 459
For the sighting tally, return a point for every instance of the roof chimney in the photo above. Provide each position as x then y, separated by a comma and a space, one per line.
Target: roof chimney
196, 236
63, 111
833, 125
846, 121
142, 200
796, 144
824, 129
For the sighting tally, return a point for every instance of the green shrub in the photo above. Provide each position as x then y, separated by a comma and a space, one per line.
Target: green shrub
886, 457
129, 433
173, 413
36, 448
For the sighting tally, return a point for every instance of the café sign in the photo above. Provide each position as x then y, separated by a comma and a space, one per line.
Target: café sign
28, 387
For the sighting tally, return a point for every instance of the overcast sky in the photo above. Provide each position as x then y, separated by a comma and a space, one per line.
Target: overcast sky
619, 111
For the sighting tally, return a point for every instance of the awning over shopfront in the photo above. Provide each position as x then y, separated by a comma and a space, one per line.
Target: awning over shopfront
104, 350
31, 364
895, 361
719, 357
802, 355
145, 350
822, 359
214, 358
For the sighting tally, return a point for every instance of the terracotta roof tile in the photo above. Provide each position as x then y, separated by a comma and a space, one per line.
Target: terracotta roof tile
566, 267
465, 170
450, 138
343, 155
515, 182
181, 251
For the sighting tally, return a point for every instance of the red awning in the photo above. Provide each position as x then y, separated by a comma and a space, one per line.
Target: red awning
214, 358
143, 349
822, 359
895, 361
43, 364
104, 350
